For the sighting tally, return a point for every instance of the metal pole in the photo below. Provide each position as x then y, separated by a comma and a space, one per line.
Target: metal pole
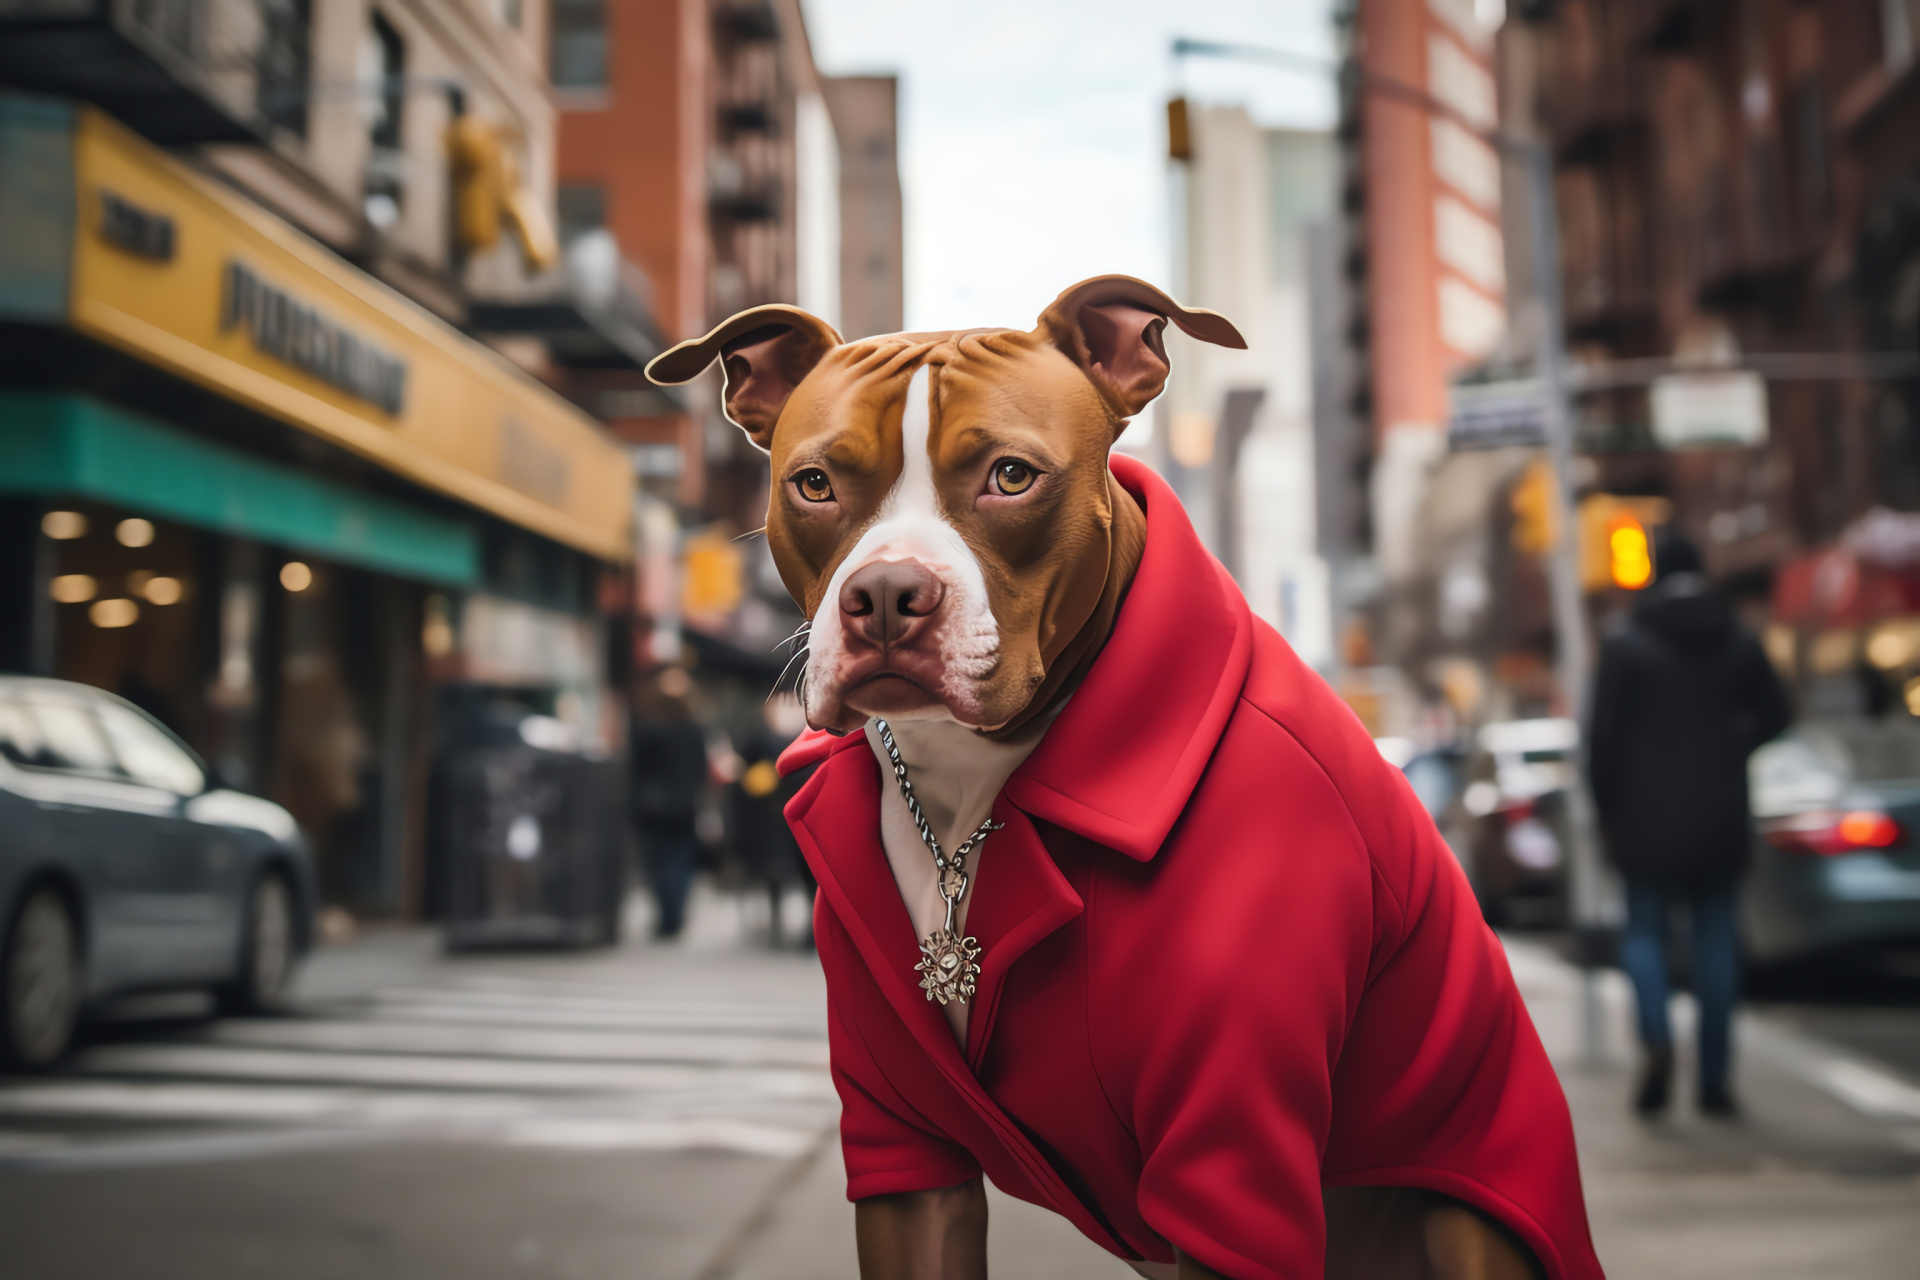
1569, 610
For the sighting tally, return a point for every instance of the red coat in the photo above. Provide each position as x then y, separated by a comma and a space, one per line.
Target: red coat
1227, 961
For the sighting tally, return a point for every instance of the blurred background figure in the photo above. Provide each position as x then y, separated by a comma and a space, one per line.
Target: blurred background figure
1683, 696
769, 855
668, 759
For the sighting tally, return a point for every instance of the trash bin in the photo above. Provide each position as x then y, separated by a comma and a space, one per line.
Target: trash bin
530, 847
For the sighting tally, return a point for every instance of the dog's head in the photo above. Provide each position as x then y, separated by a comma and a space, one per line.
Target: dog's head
941, 506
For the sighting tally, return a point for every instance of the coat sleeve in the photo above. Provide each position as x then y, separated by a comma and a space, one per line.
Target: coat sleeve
885, 1151
1442, 1082
1388, 1045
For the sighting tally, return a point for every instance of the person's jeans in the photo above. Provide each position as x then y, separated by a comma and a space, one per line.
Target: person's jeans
671, 853
1716, 969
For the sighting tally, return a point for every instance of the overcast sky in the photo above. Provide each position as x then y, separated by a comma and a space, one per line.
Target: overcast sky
1032, 131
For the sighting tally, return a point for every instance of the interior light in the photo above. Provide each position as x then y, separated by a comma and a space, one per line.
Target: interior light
162, 591
73, 588
134, 532
63, 526
436, 629
110, 614
1889, 649
295, 576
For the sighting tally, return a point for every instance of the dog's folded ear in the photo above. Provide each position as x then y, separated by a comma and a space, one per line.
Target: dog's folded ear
1111, 327
765, 352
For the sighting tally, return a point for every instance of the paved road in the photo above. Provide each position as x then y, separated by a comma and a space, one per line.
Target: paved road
665, 1111
654, 1111
1820, 1178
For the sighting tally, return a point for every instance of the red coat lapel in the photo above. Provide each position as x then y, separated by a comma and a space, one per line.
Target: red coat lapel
836, 819
1022, 897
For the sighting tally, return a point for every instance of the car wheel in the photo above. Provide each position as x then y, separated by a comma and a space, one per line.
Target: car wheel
42, 982
268, 954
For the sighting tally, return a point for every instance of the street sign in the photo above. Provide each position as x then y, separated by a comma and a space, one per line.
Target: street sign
1492, 415
1692, 410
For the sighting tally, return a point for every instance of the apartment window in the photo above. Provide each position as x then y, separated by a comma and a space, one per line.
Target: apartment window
582, 208
383, 76
284, 63
579, 49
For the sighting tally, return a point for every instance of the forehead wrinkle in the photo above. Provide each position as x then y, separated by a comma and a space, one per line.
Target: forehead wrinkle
855, 451
972, 441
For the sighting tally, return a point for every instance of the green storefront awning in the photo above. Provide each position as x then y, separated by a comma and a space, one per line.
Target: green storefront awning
63, 444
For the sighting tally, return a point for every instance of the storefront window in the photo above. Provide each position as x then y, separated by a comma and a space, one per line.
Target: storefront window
123, 590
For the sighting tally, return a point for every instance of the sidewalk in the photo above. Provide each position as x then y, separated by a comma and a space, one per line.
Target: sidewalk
1821, 1179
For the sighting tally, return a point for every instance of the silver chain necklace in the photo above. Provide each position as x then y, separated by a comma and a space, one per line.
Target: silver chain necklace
949, 965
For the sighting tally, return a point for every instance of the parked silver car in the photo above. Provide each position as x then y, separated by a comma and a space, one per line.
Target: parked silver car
1501, 804
1837, 856
124, 867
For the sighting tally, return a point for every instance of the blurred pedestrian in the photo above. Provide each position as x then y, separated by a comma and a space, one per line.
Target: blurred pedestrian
668, 759
1683, 696
765, 842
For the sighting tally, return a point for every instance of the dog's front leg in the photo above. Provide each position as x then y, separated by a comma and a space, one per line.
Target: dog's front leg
924, 1235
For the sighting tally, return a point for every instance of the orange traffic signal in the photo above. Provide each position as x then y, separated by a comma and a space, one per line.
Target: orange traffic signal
1629, 555
1534, 529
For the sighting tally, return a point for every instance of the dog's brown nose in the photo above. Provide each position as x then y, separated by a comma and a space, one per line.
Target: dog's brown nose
890, 602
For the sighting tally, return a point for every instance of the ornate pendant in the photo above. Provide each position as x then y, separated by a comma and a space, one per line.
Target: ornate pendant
949, 966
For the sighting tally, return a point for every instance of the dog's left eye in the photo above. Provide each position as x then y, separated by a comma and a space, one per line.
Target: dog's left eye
814, 485
1013, 477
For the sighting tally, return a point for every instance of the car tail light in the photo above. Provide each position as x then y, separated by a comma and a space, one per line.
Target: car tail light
1828, 833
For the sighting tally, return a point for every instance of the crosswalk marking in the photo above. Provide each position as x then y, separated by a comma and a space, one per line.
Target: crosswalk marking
442, 1072
514, 1062
524, 1042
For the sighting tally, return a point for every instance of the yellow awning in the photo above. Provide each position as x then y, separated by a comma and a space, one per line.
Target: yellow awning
175, 269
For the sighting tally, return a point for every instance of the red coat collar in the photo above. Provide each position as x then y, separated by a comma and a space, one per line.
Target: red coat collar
1119, 764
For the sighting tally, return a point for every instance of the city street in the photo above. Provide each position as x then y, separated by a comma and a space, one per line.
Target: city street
665, 1111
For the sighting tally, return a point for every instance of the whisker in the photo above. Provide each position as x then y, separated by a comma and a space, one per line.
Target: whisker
798, 632
798, 654
751, 533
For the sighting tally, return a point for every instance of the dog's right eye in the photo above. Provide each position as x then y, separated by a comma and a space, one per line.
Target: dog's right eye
814, 485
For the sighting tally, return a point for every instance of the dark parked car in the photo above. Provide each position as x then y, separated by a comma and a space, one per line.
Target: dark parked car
124, 867
1836, 863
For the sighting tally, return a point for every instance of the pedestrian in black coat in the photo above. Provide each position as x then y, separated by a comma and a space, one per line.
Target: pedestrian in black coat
1683, 696
667, 756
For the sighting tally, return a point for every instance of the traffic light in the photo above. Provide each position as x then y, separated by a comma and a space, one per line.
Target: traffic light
1179, 130
1532, 504
488, 191
1616, 540
1629, 555
479, 181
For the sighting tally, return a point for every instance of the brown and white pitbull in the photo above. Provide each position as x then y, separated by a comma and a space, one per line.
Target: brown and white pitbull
943, 512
